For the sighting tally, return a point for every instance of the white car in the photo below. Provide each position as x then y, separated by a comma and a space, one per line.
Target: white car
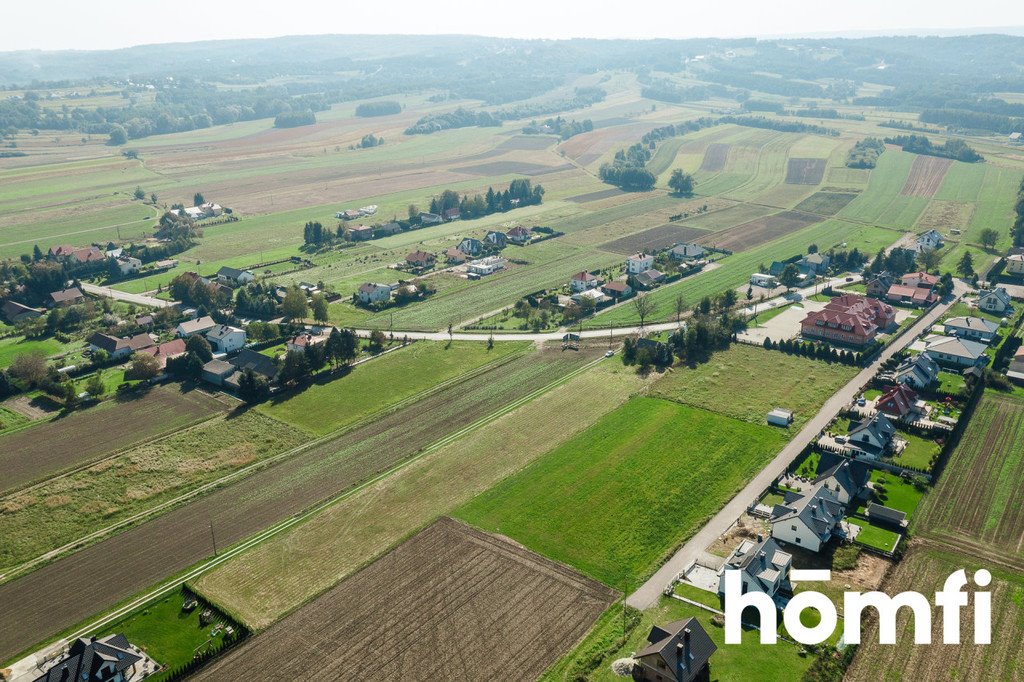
609, 354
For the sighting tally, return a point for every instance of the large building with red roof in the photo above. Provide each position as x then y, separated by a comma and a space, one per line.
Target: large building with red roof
849, 320
915, 288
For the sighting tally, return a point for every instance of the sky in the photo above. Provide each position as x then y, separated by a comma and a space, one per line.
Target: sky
105, 24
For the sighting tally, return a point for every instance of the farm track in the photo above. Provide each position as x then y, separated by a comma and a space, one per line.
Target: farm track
457, 603
183, 536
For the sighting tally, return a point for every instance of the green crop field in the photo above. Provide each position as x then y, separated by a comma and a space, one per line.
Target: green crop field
381, 383
796, 384
636, 475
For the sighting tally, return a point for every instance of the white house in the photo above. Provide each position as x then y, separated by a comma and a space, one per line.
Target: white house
128, 265
809, 520
760, 279
225, 338
582, 281
234, 276
872, 437
686, 252
763, 567
639, 262
918, 372
198, 326
973, 328
950, 350
846, 479
994, 301
486, 266
371, 292
1015, 265
929, 241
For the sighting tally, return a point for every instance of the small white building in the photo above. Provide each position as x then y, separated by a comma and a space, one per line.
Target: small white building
1015, 265
929, 241
583, 281
780, 417
225, 338
128, 265
760, 279
486, 266
371, 292
639, 262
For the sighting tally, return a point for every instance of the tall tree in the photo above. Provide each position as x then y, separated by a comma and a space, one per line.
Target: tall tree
988, 237
319, 307
681, 182
198, 199
644, 308
294, 306
790, 276
966, 265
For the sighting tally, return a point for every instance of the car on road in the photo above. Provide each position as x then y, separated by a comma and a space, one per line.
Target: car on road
609, 354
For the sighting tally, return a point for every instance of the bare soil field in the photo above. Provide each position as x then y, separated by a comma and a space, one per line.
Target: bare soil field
506, 167
450, 603
85, 435
589, 147
715, 157
926, 176
805, 171
596, 196
654, 239
528, 142
826, 203
924, 570
181, 536
943, 215
760, 231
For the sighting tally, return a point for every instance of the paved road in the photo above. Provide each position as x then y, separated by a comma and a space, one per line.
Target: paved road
137, 299
648, 594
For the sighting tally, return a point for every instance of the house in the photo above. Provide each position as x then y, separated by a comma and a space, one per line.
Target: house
247, 358
62, 251
471, 246
995, 301
763, 567
594, 295
973, 328
871, 437
145, 320
686, 252
486, 266
217, 371
817, 262
16, 312
518, 235
639, 262
616, 289
956, 352
192, 327
900, 401
420, 259
847, 478
430, 219
66, 297
96, 659
454, 256
760, 279
372, 292
918, 372
89, 254
848, 319
350, 214
387, 229
211, 210
582, 281
915, 288
804, 270
1015, 265
128, 265
225, 338
1015, 138
234, 276
680, 651
165, 351
886, 516
165, 264
497, 239
808, 520
648, 279
780, 417
451, 214
878, 286
360, 233
306, 340
1015, 372
111, 345
928, 241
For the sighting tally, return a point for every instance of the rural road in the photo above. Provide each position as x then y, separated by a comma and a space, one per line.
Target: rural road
648, 593
137, 299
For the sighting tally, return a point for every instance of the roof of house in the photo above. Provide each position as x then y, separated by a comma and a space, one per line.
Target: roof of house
616, 286
198, 325
858, 315
86, 656
819, 509
761, 560
977, 324
1016, 257
584, 276
998, 292
885, 514
451, 212
370, 287
957, 347
815, 259
168, 349
13, 309
683, 645
920, 278
141, 341
850, 475
89, 254
921, 365
106, 342
897, 400
231, 273
518, 231
639, 256
143, 320
219, 367
222, 331
257, 362
419, 257
66, 295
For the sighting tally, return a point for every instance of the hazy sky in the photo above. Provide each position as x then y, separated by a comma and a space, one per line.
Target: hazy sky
98, 24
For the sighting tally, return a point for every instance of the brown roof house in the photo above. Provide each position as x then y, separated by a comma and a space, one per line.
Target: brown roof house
16, 312
66, 297
420, 259
679, 651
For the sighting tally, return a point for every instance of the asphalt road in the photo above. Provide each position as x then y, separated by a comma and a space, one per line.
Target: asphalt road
648, 593
137, 299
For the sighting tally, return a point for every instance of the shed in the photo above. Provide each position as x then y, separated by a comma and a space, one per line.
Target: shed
780, 417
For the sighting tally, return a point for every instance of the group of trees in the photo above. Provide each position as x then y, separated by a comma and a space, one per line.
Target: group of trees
562, 127
955, 149
383, 108
294, 119
897, 262
865, 153
974, 120
256, 299
817, 351
628, 169
369, 141
460, 118
781, 126
681, 183
520, 192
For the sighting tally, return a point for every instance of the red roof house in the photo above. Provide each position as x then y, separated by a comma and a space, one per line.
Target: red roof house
897, 401
849, 319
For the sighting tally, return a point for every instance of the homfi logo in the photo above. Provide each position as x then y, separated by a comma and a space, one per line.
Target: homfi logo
951, 599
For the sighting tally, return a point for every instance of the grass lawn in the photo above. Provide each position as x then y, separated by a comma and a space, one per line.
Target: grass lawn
772, 499
899, 494
168, 634
331, 404
750, 660
951, 383
618, 497
876, 537
872, 393
698, 595
733, 382
808, 467
14, 346
918, 453
763, 317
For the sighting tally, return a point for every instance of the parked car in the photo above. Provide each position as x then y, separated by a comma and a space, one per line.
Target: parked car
609, 354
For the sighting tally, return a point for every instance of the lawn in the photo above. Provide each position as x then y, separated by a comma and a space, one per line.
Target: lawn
876, 537
698, 595
733, 382
918, 454
951, 383
616, 499
14, 346
808, 467
381, 383
899, 494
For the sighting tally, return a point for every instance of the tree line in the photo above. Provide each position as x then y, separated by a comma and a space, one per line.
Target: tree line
955, 149
387, 108
520, 192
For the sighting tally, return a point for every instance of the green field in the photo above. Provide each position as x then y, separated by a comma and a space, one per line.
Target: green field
335, 402
13, 346
796, 384
616, 499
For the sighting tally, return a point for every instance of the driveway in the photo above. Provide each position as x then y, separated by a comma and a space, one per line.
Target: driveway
137, 299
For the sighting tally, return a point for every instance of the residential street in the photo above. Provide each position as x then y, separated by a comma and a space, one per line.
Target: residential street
648, 593
137, 299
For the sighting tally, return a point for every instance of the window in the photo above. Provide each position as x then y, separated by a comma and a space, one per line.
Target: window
798, 541
793, 527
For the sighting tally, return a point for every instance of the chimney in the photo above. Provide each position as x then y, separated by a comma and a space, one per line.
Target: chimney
760, 538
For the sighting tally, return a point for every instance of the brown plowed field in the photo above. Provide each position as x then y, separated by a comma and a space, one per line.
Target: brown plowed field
715, 157
86, 435
451, 603
654, 239
760, 231
805, 171
925, 176
505, 167
68, 590
596, 196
